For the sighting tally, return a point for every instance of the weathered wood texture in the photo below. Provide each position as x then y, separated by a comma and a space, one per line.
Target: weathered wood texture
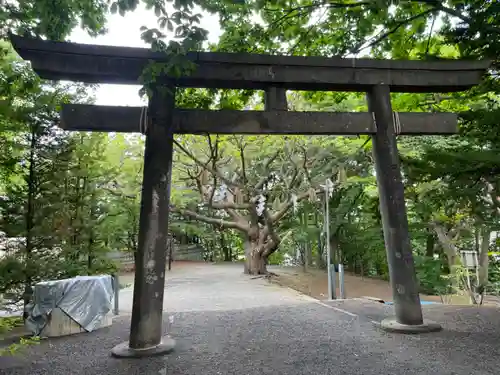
275, 99
186, 121
105, 64
393, 210
149, 281
60, 324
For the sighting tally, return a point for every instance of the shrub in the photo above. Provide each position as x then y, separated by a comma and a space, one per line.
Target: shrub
7, 324
431, 276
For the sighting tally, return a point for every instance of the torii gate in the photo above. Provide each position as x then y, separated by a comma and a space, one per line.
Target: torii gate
274, 74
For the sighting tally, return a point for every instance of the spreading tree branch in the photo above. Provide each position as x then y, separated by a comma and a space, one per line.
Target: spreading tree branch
265, 179
304, 165
207, 197
269, 231
437, 5
241, 148
214, 154
288, 205
221, 223
391, 31
229, 207
205, 166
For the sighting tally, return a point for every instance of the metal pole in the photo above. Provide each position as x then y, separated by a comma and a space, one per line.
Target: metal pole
116, 289
171, 241
341, 281
331, 292
476, 266
333, 279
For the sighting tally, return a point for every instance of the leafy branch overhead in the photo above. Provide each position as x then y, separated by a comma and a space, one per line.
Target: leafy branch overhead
181, 28
349, 27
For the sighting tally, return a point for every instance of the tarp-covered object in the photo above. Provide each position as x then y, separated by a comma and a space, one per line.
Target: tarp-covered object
85, 299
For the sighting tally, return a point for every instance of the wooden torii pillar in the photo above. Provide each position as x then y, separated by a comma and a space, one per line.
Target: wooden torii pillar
275, 75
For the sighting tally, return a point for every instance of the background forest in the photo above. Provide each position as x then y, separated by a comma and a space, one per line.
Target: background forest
69, 199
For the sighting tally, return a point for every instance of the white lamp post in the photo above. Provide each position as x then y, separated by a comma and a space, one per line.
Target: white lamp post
328, 188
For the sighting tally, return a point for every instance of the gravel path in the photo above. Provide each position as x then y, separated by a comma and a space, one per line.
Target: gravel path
215, 287
252, 328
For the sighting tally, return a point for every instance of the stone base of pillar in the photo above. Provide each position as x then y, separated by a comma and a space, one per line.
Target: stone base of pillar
391, 325
123, 350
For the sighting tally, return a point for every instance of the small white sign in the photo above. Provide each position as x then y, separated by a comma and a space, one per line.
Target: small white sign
469, 259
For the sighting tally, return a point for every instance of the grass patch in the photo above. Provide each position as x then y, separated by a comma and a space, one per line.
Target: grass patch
7, 324
10, 325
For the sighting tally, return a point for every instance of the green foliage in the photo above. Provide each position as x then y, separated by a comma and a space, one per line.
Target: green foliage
12, 274
54, 200
17, 347
7, 324
276, 258
494, 276
54, 19
431, 276
494, 270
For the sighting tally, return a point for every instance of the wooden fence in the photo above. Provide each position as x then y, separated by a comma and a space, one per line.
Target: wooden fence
125, 259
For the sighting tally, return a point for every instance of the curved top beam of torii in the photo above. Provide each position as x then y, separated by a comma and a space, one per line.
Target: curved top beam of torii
124, 65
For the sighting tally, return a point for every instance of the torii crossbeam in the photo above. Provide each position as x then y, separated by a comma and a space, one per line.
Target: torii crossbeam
274, 74
85, 117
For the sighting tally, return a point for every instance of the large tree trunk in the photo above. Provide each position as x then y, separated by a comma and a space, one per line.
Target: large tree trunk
257, 264
335, 249
303, 255
320, 261
225, 249
447, 243
484, 247
430, 244
30, 223
255, 260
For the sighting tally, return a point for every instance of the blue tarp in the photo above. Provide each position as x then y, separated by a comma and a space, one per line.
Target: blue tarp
421, 302
85, 299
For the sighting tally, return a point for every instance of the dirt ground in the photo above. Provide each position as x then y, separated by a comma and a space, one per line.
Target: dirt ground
315, 284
